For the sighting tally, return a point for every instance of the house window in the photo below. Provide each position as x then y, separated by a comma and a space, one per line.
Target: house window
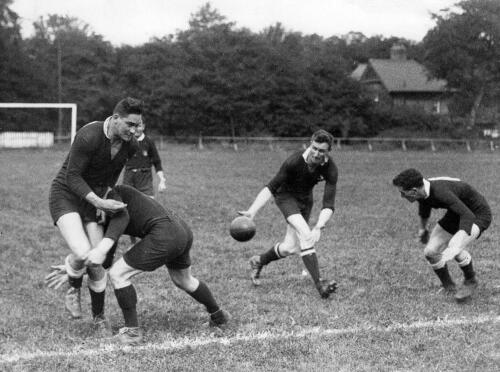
436, 107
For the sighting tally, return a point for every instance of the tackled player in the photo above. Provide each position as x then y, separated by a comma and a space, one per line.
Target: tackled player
165, 240
95, 160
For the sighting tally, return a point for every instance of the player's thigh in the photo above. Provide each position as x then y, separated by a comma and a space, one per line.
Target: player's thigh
95, 232
461, 239
304, 234
71, 227
121, 274
290, 244
437, 241
183, 279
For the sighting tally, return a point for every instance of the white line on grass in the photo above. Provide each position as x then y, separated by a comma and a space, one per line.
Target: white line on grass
267, 336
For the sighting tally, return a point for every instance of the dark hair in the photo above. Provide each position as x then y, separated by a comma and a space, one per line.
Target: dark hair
409, 179
322, 136
128, 106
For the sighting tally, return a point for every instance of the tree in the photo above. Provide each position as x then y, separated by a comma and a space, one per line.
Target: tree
77, 64
464, 49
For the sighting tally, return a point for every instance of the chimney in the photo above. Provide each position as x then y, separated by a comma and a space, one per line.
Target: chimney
398, 52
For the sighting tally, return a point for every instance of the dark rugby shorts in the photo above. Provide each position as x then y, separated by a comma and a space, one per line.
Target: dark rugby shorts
62, 201
451, 221
167, 243
288, 205
140, 179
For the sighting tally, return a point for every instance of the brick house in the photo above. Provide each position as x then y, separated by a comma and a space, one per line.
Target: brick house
402, 81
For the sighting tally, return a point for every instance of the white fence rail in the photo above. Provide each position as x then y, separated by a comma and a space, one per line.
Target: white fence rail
26, 139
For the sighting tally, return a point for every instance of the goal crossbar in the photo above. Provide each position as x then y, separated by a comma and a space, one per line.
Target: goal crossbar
71, 106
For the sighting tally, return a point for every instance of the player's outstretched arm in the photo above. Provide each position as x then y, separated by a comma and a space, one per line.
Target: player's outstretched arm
323, 218
98, 254
262, 198
107, 205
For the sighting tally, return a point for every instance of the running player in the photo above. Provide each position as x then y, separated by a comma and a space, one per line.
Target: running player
467, 216
292, 188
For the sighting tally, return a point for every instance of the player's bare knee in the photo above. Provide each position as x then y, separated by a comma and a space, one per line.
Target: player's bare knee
96, 272
286, 249
431, 253
118, 278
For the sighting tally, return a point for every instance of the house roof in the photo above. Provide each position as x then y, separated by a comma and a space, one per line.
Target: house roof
405, 76
359, 71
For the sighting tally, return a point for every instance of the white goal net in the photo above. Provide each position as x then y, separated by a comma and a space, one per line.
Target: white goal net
35, 138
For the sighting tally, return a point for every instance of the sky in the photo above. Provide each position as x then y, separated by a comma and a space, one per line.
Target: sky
134, 22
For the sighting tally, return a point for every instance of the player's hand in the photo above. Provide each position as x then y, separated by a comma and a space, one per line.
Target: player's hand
316, 234
95, 257
101, 217
111, 205
423, 236
162, 186
247, 214
57, 277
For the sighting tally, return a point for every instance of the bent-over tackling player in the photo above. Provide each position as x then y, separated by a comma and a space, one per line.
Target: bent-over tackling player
467, 216
165, 240
292, 188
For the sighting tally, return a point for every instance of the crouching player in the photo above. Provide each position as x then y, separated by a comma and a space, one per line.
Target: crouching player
467, 216
165, 240
292, 188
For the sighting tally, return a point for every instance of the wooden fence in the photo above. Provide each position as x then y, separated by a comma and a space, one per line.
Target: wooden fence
356, 143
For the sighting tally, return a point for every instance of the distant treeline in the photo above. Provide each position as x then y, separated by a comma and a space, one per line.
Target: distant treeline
212, 78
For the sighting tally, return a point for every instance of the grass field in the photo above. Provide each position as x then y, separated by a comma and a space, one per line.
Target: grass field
387, 314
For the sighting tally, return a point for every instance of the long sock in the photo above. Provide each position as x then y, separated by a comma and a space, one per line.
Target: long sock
204, 296
444, 275
312, 265
97, 302
75, 282
468, 271
270, 255
127, 300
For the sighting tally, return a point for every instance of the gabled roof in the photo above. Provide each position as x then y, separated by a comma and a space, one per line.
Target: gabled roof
405, 76
359, 71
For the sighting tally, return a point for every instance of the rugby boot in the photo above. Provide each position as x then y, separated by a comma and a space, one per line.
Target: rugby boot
72, 302
465, 293
219, 319
131, 336
256, 268
325, 287
102, 326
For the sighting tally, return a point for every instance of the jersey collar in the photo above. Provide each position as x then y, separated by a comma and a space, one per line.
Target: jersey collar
427, 188
305, 154
106, 126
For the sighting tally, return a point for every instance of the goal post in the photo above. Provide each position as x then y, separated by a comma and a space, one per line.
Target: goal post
71, 106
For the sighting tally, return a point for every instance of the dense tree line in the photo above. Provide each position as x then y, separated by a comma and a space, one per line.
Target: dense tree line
212, 78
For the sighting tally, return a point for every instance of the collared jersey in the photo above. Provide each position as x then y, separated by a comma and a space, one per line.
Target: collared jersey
89, 166
455, 196
295, 178
146, 156
140, 214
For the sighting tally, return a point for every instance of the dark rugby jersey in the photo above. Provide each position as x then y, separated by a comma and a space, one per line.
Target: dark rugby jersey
457, 197
295, 178
146, 156
140, 214
89, 166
